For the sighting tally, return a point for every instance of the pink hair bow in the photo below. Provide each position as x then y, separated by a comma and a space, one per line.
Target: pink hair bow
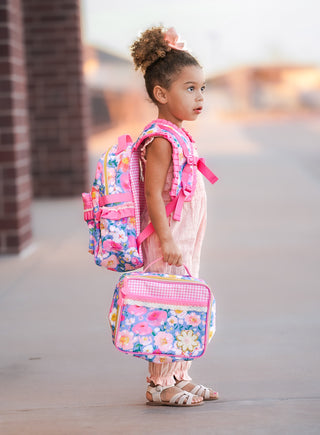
172, 38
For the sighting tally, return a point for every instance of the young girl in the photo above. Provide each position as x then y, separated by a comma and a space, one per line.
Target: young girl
175, 83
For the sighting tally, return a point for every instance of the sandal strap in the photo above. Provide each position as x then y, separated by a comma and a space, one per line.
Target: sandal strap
182, 384
201, 390
181, 397
156, 391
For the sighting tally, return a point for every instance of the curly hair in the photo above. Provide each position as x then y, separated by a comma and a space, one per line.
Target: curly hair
159, 62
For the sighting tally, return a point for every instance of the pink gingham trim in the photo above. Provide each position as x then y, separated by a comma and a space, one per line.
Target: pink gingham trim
189, 293
136, 193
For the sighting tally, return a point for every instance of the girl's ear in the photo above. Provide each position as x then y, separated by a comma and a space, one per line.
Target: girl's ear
160, 94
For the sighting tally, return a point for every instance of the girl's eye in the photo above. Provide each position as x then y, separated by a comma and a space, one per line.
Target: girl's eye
203, 88
191, 88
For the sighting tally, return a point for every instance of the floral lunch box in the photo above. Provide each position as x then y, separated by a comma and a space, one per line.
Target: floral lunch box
162, 317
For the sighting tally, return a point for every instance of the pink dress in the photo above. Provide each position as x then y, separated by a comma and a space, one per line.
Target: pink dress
188, 234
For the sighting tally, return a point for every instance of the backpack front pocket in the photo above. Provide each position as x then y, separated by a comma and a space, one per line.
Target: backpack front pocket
118, 238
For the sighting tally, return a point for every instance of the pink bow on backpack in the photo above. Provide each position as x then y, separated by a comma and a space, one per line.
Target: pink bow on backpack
172, 38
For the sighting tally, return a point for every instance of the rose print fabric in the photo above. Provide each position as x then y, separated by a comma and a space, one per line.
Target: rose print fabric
161, 331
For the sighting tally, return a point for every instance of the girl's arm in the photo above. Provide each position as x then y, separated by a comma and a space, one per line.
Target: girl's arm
157, 165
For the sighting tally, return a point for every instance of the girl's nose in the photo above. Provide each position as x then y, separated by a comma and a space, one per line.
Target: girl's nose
199, 96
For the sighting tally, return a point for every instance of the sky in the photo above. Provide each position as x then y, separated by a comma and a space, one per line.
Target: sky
222, 34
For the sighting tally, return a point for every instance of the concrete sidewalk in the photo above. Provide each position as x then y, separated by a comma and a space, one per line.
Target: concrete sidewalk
59, 372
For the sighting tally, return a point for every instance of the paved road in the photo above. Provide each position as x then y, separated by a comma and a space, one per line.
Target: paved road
59, 373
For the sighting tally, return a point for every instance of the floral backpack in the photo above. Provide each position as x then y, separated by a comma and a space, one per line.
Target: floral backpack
112, 209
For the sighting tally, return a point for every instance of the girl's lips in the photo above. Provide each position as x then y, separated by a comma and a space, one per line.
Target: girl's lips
198, 110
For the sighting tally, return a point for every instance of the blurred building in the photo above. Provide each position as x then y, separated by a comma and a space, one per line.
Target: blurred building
267, 88
43, 111
116, 91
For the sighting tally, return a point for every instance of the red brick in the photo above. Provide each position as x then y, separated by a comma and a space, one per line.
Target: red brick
14, 153
10, 207
16, 172
57, 125
6, 100
4, 34
7, 156
25, 237
3, 16
13, 241
5, 68
7, 139
8, 223
10, 190
5, 87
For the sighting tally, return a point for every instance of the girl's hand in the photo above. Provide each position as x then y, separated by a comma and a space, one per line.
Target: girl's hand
171, 253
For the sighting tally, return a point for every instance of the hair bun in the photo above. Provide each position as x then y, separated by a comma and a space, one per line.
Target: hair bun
150, 46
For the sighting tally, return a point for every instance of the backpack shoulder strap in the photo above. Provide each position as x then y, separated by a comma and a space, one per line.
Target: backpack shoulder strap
182, 146
167, 130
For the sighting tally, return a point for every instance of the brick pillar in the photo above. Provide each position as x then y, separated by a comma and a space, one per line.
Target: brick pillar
58, 103
15, 184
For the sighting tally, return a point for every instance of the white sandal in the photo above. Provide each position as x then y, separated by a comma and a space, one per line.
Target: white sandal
183, 398
199, 390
